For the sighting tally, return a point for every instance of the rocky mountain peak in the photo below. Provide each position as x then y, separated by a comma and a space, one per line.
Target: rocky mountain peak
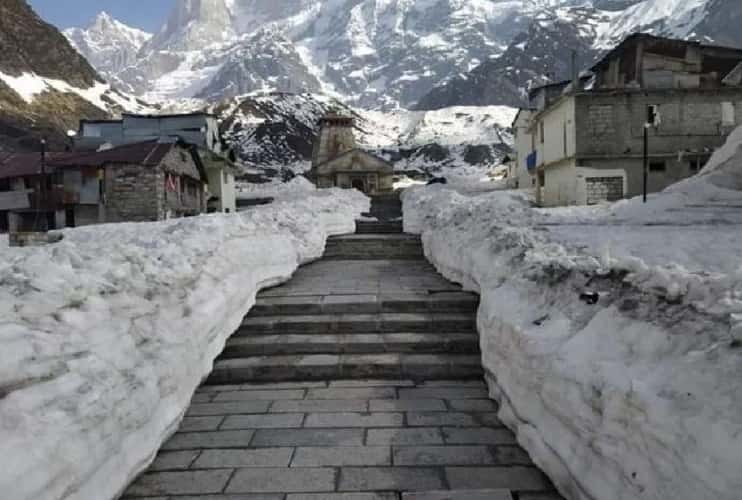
195, 24
30, 45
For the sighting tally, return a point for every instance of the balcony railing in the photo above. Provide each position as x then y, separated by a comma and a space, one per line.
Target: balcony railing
15, 200
53, 199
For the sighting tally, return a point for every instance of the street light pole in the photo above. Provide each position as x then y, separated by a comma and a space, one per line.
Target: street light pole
646, 159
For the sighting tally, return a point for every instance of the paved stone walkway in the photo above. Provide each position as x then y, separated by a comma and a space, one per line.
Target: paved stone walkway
329, 433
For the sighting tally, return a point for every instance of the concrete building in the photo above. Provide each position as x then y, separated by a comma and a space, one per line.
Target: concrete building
524, 142
587, 146
197, 129
336, 161
146, 181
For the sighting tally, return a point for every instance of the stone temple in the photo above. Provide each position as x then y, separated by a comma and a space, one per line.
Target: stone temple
336, 161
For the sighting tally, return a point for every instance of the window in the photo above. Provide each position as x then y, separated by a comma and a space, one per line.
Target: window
541, 131
727, 114
225, 174
657, 166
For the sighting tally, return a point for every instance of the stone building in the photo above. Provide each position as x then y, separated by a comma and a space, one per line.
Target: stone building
146, 181
585, 144
196, 129
337, 161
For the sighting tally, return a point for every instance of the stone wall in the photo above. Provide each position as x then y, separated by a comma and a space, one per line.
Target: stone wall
611, 123
604, 189
132, 193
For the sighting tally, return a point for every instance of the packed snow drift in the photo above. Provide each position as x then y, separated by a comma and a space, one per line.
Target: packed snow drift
105, 336
611, 335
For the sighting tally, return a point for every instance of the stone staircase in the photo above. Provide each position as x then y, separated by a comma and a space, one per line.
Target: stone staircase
371, 308
359, 379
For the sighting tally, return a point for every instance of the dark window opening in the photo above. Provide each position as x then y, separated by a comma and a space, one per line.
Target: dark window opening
657, 166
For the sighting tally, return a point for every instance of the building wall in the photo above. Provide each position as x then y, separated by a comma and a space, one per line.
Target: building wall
179, 162
86, 215
554, 132
222, 184
333, 141
675, 170
133, 193
560, 184
611, 124
136, 193
524, 142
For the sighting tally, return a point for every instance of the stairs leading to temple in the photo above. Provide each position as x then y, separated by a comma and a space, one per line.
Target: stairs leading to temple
371, 308
358, 379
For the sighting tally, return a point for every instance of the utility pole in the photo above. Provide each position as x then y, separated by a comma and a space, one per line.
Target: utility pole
653, 120
646, 159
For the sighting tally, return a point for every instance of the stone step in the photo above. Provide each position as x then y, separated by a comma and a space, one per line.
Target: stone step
359, 323
374, 247
380, 227
346, 366
460, 495
361, 343
442, 302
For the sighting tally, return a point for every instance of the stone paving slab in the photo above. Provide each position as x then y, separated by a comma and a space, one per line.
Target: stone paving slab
309, 437
201, 423
407, 405
389, 478
404, 436
478, 435
272, 480
354, 420
513, 478
181, 483
320, 406
265, 457
342, 456
268, 421
239, 408
442, 455
342, 496
174, 460
212, 439
460, 495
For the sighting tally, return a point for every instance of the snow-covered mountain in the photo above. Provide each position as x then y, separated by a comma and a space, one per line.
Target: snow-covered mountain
381, 54
274, 132
46, 86
109, 45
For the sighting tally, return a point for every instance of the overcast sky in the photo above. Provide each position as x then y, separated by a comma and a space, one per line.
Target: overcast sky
144, 14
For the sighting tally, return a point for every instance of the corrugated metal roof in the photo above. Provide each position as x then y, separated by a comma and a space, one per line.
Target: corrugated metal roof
26, 164
148, 153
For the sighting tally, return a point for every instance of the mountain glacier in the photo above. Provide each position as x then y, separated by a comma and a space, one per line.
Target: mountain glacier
378, 54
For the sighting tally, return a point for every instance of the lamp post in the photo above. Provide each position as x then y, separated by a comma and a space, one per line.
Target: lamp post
42, 184
71, 134
653, 121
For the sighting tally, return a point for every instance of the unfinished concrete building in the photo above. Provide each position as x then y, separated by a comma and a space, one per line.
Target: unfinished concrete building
585, 144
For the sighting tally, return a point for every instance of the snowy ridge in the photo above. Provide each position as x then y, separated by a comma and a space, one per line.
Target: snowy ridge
109, 45
29, 85
376, 55
138, 314
275, 131
630, 397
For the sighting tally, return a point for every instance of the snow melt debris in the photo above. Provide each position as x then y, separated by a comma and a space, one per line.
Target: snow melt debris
105, 336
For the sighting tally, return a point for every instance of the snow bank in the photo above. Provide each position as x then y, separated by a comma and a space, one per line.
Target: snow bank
105, 336
637, 395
